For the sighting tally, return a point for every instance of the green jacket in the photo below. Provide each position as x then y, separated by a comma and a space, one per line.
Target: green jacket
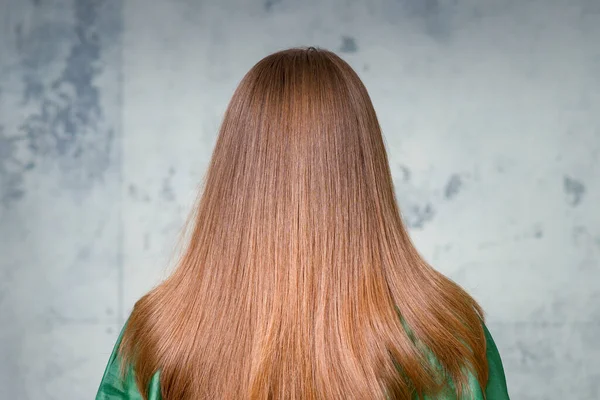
112, 387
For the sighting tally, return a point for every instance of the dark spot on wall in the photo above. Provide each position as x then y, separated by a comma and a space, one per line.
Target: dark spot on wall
348, 45
10, 189
33, 88
12, 168
268, 4
7, 147
417, 216
167, 191
453, 186
109, 311
574, 190
527, 356
538, 233
132, 191
366, 67
406, 173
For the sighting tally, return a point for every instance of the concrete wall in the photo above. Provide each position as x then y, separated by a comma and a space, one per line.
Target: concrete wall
109, 112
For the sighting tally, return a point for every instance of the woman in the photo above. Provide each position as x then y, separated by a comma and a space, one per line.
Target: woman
299, 280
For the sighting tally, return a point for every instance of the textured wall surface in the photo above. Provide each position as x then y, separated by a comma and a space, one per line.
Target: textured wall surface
109, 112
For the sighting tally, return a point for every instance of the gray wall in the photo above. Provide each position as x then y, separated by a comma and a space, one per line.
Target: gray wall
109, 112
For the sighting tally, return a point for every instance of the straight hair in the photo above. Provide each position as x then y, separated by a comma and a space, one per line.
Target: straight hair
299, 280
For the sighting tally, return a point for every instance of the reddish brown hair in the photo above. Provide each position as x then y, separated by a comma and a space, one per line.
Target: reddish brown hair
299, 280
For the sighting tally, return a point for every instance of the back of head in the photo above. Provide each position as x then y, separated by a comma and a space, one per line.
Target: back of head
299, 280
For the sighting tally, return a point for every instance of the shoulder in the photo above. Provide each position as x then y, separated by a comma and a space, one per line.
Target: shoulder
496, 388
116, 385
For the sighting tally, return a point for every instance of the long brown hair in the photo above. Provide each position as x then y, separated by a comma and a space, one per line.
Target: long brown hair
299, 280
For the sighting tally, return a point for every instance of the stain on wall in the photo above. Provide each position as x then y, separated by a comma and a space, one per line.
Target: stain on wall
348, 45
453, 186
269, 4
574, 190
59, 168
56, 64
12, 168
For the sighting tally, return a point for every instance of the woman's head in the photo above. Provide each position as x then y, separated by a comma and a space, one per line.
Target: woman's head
299, 280
301, 135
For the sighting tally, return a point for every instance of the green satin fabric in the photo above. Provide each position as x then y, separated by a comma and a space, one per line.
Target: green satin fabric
112, 387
